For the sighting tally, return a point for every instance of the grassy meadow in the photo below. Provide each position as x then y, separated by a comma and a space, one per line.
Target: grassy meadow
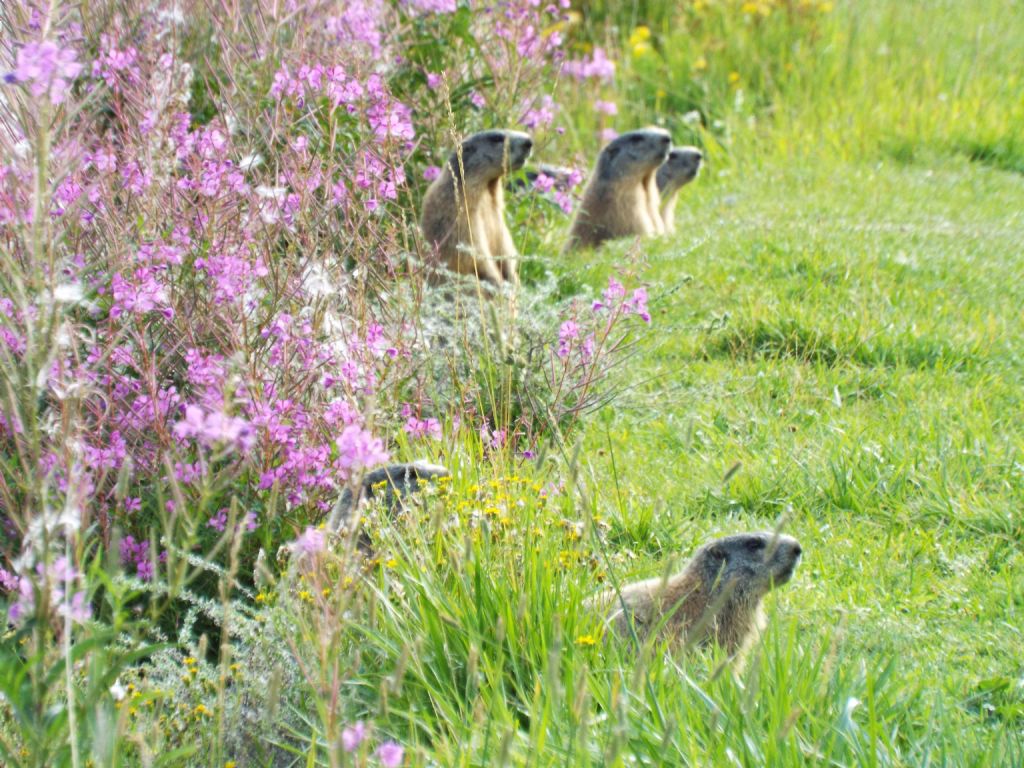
836, 348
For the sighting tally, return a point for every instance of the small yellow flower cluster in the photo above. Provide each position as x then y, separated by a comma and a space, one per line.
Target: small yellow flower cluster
586, 640
640, 41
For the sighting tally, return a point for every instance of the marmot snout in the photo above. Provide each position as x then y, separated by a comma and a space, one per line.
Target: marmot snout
621, 197
681, 167
716, 597
464, 209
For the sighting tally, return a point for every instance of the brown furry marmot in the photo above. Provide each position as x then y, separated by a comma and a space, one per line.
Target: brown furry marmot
716, 597
681, 167
464, 209
621, 197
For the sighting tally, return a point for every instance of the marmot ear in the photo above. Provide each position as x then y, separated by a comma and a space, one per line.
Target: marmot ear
605, 163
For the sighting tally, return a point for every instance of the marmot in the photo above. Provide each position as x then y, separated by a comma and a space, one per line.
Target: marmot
717, 596
681, 167
464, 209
618, 198
400, 481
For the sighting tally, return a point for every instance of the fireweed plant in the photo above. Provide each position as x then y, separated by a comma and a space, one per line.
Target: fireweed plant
213, 317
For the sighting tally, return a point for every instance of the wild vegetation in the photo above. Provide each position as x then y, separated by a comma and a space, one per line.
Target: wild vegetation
214, 318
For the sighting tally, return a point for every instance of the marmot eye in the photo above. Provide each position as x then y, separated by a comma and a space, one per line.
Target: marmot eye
635, 138
497, 139
755, 545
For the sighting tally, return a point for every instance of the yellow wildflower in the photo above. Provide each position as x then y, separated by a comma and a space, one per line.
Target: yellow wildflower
202, 709
641, 49
306, 596
700, 64
639, 35
734, 77
586, 640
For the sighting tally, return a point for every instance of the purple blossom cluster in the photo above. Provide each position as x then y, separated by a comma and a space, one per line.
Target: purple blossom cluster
45, 69
388, 753
58, 579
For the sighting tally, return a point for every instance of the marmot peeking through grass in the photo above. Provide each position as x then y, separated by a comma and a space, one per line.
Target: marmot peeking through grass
464, 209
716, 597
681, 167
394, 483
617, 200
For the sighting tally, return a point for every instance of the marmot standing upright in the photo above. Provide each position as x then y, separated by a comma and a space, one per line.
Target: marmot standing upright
681, 167
617, 200
717, 596
464, 209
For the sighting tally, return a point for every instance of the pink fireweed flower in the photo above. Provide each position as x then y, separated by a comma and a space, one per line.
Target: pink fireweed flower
353, 736
76, 609
311, 542
420, 428
431, 172
606, 107
433, 6
637, 305
390, 754
434, 80
359, 449
569, 331
543, 183
210, 429
597, 66
542, 115
219, 521
608, 134
477, 100
46, 69
614, 291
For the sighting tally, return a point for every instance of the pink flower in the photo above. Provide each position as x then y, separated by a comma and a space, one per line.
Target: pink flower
569, 331
597, 66
542, 115
614, 291
477, 100
606, 107
46, 69
358, 448
311, 542
608, 134
433, 6
638, 304
543, 183
210, 429
423, 428
77, 609
431, 172
353, 736
390, 754
434, 80
219, 521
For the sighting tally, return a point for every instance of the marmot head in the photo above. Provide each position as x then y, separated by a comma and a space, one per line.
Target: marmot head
747, 564
489, 155
634, 154
681, 167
